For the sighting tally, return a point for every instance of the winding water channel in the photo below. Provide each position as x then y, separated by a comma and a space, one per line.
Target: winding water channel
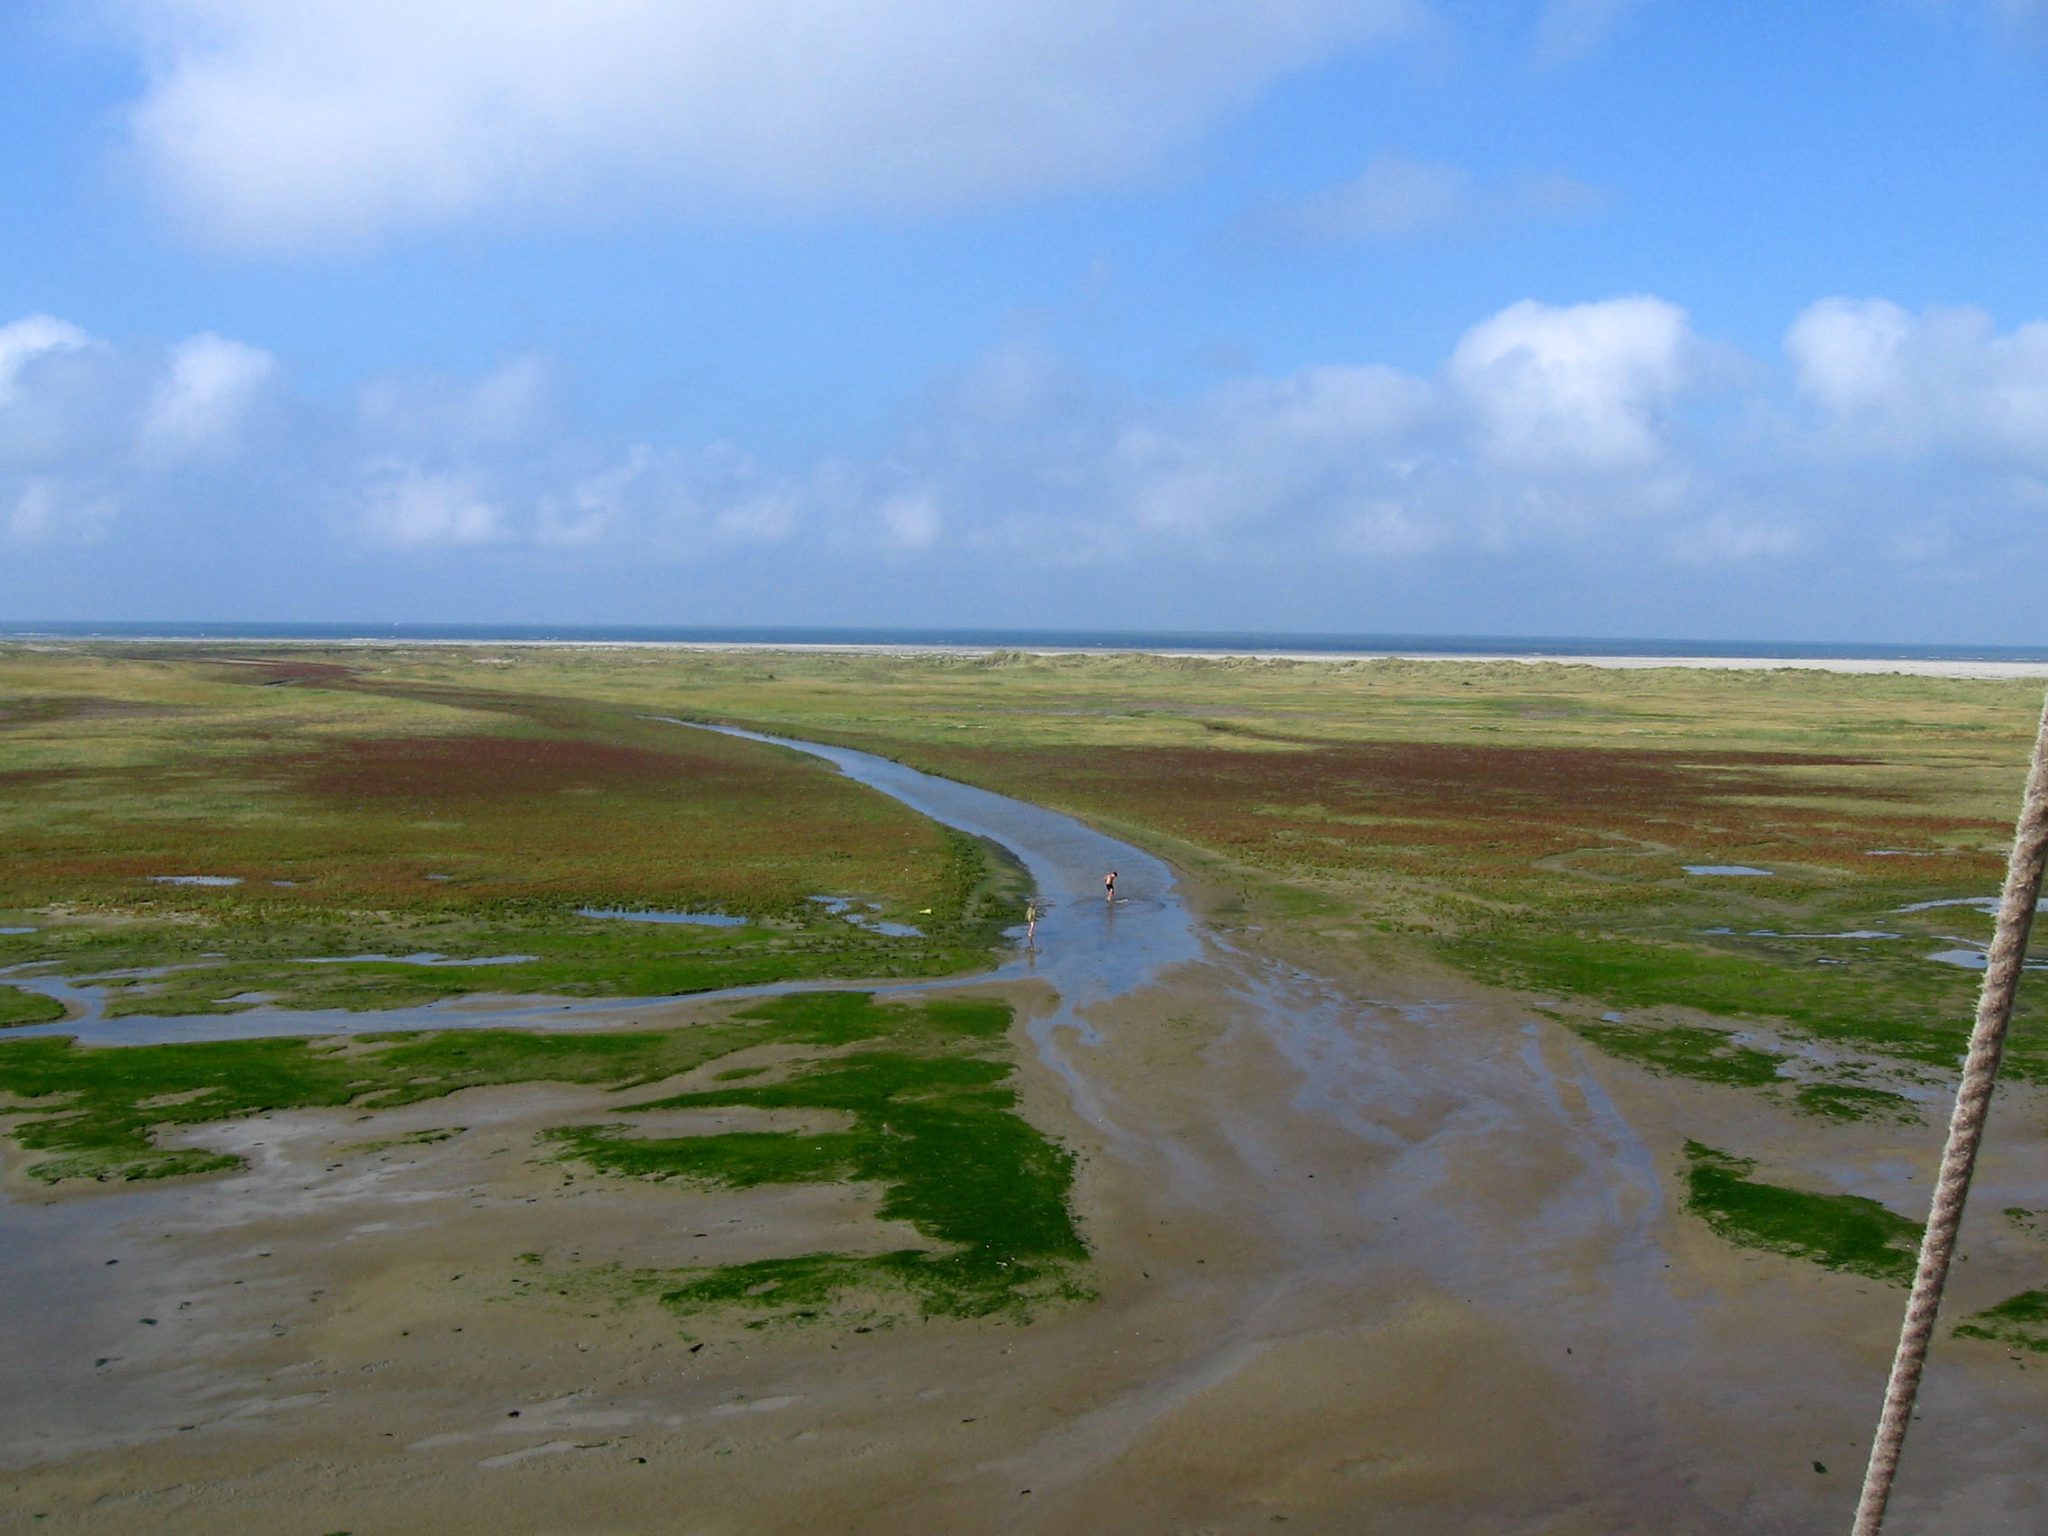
1390, 1242
1089, 950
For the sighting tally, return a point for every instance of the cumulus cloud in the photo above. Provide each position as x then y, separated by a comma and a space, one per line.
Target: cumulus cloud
208, 388
1397, 198
337, 121
1582, 386
407, 508
23, 341
1892, 382
1549, 434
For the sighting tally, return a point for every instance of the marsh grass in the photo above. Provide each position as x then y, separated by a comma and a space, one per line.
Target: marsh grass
1528, 824
364, 813
19, 1007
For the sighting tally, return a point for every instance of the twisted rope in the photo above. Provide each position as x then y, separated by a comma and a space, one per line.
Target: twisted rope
1965, 1130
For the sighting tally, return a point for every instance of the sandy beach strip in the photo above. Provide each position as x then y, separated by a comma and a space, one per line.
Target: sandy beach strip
1907, 666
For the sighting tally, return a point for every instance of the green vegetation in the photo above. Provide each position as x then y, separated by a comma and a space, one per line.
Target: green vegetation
19, 1007
925, 1090
1846, 1232
939, 1133
2020, 1322
1528, 824
1685, 1051
1847, 1101
360, 813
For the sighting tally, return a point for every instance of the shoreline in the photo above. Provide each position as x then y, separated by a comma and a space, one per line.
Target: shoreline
1937, 667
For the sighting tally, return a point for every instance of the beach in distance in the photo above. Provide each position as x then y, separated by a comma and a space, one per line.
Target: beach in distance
524, 1084
1913, 659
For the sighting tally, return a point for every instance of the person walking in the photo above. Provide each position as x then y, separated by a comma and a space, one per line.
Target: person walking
1030, 922
1109, 886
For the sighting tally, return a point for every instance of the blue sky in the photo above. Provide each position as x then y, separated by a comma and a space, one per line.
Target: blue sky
1615, 317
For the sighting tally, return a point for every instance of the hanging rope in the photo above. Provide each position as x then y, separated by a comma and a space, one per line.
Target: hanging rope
1965, 1130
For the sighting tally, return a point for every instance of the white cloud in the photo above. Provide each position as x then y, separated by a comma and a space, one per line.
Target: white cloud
1550, 435
1396, 198
1580, 386
336, 121
1894, 383
595, 506
23, 341
48, 512
209, 385
406, 508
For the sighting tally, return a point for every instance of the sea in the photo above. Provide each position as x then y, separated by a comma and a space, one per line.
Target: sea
1163, 641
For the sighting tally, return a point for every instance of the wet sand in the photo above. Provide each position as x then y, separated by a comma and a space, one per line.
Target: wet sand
1377, 1251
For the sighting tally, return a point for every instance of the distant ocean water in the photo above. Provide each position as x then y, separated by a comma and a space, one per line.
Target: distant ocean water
1216, 642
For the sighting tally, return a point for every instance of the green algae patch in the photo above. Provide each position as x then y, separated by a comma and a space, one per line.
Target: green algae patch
1683, 1050
2020, 1322
932, 1121
923, 1090
19, 1007
1847, 1101
93, 1112
1844, 1232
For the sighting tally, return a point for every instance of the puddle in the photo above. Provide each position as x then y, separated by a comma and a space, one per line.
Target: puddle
864, 914
427, 957
635, 915
1985, 904
195, 879
1724, 869
1851, 933
1977, 960
17, 930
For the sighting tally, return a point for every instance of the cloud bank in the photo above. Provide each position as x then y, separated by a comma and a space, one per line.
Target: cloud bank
1603, 448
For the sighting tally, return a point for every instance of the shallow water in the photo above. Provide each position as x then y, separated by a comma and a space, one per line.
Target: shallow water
1724, 869
637, 915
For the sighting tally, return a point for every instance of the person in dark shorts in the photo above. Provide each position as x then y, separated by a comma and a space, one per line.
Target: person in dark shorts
1109, 886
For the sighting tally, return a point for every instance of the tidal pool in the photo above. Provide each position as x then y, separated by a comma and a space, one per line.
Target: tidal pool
635, 915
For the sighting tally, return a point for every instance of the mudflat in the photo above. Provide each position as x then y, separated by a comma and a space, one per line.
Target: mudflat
1398, 1260
1372, 1245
